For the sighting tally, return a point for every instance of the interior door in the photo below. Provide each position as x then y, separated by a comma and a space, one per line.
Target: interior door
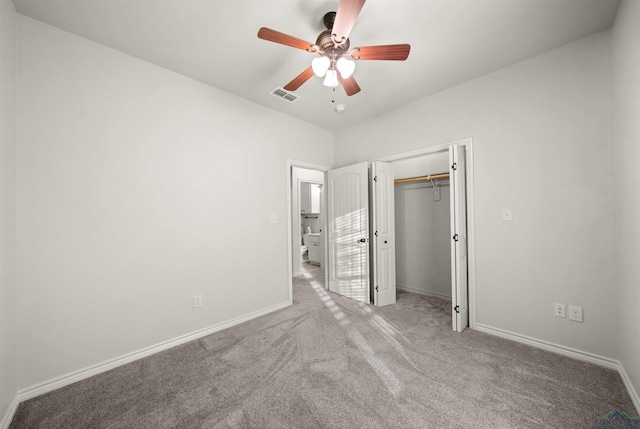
457, 180
383, 235
348, 231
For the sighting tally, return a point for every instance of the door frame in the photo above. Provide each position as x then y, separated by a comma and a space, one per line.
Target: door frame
471, 240
323, 207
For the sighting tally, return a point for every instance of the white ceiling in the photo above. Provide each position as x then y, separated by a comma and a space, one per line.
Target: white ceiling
215, 42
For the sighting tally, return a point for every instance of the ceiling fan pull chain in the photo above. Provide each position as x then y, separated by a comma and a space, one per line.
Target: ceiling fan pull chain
333, 98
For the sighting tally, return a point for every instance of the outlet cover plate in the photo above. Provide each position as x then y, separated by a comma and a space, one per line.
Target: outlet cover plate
575, 313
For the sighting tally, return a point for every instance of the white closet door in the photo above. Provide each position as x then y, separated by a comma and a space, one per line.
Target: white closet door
459, 306
348, 231
384, 249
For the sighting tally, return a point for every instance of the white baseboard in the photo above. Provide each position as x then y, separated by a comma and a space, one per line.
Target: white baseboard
545, 345
570, 352
424, 293
632, 391
64, 380
8, 416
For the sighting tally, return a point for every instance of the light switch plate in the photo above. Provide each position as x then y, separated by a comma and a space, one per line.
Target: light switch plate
558, 310
197, 301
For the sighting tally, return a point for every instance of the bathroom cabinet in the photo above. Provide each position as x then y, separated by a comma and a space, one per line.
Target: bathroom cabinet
313, 242
309, 197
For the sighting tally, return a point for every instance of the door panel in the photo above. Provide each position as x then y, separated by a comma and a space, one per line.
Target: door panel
384, 251
348, 228
459, 306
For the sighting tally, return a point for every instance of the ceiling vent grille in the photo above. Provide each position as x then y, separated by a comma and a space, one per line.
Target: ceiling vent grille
284, 95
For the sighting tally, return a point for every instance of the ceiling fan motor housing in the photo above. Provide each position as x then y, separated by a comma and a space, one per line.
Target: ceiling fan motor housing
326, 45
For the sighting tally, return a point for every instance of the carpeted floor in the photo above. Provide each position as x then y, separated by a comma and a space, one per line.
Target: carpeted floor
330, 362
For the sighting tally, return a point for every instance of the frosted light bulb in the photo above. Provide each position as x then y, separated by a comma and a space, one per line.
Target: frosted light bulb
331, 78
345, 67
320, 65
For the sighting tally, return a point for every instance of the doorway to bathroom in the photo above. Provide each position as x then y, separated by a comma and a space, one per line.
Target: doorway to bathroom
307, 220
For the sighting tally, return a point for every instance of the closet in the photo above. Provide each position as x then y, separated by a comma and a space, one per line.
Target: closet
430, 208
414, 240
423, 225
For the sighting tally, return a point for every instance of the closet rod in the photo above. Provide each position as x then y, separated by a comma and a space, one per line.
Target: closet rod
422, 178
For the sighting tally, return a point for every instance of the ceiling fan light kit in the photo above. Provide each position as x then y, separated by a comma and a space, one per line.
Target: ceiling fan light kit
332, 48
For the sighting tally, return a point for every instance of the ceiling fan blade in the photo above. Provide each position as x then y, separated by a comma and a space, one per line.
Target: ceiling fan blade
284, 39
348, 11
382, 52
299, 80
350, 85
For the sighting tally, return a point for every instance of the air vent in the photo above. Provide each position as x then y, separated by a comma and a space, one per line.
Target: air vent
284, 95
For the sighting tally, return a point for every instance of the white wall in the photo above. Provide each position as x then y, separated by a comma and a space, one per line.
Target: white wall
423, 239
137, 189
626, 90
423, 227
8, 291
542, 132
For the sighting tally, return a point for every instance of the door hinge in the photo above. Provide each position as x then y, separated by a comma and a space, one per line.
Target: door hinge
375, 178
454, 167
455, 237
377, 288
375, 233
457, 309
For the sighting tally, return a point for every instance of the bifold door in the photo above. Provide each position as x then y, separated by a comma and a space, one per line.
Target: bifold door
384, 234
457, 180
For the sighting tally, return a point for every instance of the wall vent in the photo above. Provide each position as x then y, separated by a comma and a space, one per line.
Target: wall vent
284, 95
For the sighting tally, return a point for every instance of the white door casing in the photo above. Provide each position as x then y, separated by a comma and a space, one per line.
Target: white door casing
457, 180
383, 236
348, 231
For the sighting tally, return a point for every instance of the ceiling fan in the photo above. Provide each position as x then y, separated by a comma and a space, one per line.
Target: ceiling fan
334, 59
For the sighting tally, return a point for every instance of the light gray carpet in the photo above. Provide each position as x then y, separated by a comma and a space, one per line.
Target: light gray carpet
329, 362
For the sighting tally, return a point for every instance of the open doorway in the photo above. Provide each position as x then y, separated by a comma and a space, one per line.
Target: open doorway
431, 231
310, 219
307, 215
423, 234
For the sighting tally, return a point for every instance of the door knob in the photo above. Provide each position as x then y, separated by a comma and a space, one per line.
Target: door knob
362, 240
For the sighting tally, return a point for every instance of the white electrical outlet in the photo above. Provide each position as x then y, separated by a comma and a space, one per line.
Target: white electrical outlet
575, 313
197, 301
558, 310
